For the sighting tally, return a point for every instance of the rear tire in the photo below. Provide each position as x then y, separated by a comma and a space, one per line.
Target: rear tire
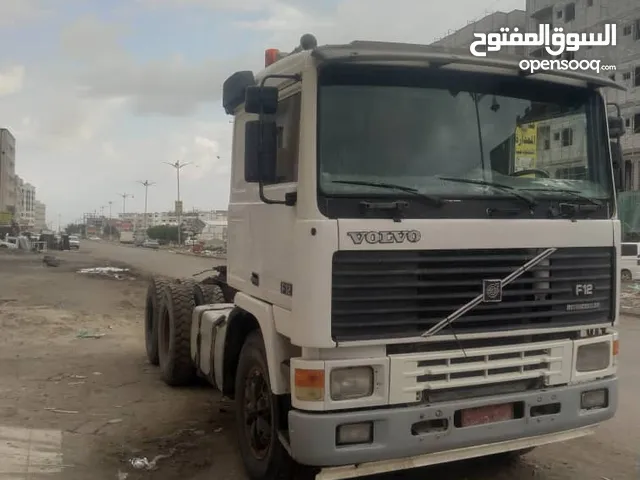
258, 416
207, 294
626, 276
174, 335
152, 315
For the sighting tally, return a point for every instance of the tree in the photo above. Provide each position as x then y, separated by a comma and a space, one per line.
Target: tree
113, 231
163, 233
75, 229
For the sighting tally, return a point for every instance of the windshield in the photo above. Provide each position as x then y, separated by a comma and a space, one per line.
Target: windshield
428, 131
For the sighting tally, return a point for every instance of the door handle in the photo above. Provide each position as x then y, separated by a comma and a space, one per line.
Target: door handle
255, 278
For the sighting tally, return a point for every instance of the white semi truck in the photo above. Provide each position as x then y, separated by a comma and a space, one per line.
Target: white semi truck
398, 294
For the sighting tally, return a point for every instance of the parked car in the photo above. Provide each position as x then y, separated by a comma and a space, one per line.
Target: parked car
149, 243
630, 261
74, 242
8, 244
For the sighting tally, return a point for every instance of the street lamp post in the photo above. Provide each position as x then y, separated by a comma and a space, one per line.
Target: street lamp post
178, 166
146, 184
124, 204
110, 204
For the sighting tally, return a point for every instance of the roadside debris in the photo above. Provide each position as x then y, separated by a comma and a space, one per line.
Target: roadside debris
87, 334
112, 272
51, 261
57, 410
143, 463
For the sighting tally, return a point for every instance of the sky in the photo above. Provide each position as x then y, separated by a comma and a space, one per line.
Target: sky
100, 93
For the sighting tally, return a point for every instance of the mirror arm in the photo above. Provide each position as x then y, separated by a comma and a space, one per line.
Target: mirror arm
263, 198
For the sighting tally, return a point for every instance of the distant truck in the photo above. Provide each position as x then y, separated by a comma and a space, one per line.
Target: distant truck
127, 237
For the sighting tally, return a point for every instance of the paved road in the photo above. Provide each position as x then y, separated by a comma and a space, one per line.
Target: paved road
158, 262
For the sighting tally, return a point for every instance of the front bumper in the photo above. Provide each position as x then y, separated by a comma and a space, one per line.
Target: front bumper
312, 436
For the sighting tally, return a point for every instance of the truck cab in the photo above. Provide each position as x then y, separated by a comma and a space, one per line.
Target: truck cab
422, 251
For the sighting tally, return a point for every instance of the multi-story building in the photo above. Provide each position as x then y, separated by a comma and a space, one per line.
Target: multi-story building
7, 172
40, 213
491, 23
25, 204
578, 16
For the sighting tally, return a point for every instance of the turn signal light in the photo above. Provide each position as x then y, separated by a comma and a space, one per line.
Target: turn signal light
616, 347
309, 385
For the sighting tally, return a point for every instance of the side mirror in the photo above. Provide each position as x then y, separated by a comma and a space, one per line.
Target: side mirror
260, 151
261, 100
617, 161
616, 127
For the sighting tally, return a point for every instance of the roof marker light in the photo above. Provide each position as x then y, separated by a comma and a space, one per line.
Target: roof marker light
271, 56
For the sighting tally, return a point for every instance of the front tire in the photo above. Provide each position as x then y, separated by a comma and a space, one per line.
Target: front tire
174, 335
626, 276
257, 416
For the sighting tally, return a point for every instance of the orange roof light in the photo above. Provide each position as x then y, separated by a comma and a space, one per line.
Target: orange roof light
270, 56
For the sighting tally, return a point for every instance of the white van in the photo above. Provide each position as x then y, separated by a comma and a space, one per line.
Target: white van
630, 261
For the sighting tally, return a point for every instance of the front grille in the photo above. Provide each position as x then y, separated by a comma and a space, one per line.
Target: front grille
381, 294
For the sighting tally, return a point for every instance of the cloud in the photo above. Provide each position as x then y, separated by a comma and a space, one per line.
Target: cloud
11, 80
411, 21
17, 12
101, 115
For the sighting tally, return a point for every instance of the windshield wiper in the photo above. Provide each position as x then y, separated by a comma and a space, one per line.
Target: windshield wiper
434, 201
570, 210
574, 193
530, 201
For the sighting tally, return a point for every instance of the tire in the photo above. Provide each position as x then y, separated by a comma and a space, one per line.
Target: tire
152, 316
207, 294
270, 461
626, 276
174, 335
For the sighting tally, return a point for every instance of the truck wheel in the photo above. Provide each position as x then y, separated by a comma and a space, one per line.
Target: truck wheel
626, 276
207, 294
257, 416
151, 317
174, 335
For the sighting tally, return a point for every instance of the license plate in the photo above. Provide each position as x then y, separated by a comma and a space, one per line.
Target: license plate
488, 414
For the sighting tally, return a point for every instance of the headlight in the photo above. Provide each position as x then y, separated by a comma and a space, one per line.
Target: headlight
593, 357
352, 382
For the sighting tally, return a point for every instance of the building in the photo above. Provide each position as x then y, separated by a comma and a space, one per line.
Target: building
25, 204
578, 16
492, 23
40, 212
7, 173
213, 230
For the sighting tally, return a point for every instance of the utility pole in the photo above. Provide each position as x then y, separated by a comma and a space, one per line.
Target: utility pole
110, 204
178, 166
146, 184
124, 202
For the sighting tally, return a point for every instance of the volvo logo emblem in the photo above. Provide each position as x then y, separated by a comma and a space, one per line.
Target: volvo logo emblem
392, 236
491, 291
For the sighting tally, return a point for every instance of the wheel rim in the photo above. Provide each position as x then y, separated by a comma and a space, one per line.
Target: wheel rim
626, 275
257, 413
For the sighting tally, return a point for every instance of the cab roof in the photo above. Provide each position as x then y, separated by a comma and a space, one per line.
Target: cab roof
404, 54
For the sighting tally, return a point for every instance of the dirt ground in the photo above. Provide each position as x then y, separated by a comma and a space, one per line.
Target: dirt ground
101, 404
